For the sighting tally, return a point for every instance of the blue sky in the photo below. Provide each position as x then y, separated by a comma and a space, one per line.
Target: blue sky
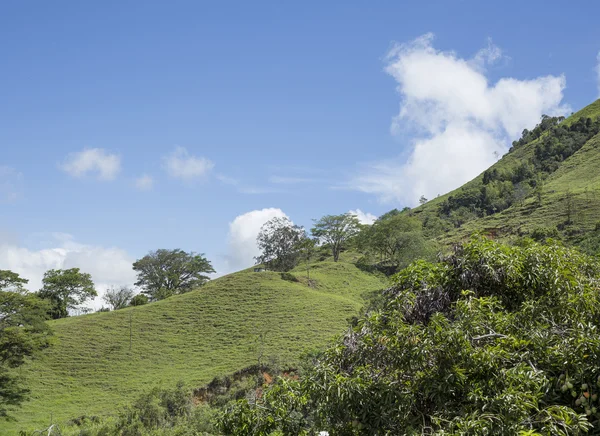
131, 126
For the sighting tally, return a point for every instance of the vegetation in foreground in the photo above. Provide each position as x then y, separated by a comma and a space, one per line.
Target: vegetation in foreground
494, 339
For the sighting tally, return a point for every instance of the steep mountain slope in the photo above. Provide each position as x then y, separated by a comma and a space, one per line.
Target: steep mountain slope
103, 360
566, 198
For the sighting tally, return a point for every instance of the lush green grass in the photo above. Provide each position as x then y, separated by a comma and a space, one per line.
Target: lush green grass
192, 337
577, 181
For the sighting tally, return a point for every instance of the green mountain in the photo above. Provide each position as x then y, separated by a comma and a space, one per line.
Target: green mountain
549, 183
103, 360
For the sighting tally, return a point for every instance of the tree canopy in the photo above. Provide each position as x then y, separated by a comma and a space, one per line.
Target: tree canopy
118, 297
493, 339
66, 289
336, 230
278, 241
11, 281
23, 332
163, 273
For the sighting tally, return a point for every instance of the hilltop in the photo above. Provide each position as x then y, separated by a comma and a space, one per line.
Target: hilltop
228, 324
549, 181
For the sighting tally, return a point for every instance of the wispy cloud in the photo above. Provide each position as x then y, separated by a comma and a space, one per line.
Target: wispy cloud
281, 180
97, 161
144, 182
460, 120
180, 164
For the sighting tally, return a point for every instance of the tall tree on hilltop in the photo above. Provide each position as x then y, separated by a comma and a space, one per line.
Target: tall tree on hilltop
278, 241
163, 273
336, 230
66, 289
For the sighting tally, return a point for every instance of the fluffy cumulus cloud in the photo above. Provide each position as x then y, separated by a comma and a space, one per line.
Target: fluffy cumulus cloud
243, 231
364, 217
108, 266
180, 164
11, 184
144, 183
96, 161
459, 121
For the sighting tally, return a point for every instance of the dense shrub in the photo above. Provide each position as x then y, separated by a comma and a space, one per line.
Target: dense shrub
493, 339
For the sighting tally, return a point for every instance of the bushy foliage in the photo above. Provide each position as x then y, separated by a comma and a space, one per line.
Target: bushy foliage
494, 339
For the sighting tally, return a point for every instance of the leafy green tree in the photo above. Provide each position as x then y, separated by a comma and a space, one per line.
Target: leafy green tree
278, 241
66, 289
11, 281
119, 297
396, 241
163, 273
493, 339
139, 300
23, 332
336, 230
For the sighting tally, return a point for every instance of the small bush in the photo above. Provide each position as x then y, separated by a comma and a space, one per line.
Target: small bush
541, 234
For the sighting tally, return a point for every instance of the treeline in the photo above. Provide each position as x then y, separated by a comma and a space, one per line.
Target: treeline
389, 244
501, 188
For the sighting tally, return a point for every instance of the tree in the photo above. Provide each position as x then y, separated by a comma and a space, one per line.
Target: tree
306, 248
139, 300
163, 273
118, 298
494, 339
336, 230
66, 289
10, 281
423, 200
278, 241
397, 241
23, 332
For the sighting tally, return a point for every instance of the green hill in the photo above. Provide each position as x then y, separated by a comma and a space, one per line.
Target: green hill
103, 360
547, 182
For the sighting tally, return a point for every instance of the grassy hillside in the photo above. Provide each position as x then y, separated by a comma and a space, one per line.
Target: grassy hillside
194, 337
570, 195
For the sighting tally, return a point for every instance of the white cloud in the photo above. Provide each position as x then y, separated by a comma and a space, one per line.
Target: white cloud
144, 183
243, 231
459, 119
108, 266
180, 164
92, 160
11, 183
364, 217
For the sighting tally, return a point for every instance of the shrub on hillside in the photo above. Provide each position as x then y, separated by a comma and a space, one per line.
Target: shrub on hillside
493, 339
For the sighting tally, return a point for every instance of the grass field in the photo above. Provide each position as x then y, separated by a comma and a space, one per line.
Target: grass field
96, 365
